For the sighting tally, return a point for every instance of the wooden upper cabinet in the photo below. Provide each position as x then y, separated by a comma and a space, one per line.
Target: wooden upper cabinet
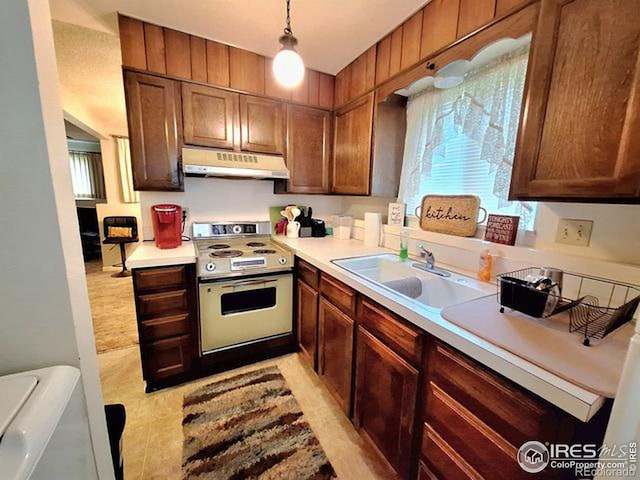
395, 52
411, 39
178, 53
581, 116
262, 125
385, 401
325, 95
308, 149
382, 59
503, 6
198, 59
217, 63
132, 42
439, 25
363, 73
335, 352
474, 14
246, 70
154, 47
353, 129
271, 86
342, 86
210, 116
154, 118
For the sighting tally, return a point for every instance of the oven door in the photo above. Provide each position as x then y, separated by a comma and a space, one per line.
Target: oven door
234, 312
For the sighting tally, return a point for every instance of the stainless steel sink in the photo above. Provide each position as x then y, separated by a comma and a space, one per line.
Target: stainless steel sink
423, 287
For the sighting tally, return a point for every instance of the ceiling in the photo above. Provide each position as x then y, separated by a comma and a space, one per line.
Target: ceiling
331, 33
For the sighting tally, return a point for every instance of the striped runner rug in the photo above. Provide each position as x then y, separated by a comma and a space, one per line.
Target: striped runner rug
249, 426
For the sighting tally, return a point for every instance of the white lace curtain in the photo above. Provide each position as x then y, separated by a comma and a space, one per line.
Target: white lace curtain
486, 108
126, 174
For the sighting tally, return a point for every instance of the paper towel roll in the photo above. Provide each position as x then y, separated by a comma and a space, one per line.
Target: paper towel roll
372, 229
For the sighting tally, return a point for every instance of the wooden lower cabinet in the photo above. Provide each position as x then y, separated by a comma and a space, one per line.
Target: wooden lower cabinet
335, 352
385, 401
166, 308
307, 318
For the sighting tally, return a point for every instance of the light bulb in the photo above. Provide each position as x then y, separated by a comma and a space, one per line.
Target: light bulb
288, 68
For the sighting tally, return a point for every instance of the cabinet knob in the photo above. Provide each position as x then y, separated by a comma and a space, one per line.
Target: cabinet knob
431, 66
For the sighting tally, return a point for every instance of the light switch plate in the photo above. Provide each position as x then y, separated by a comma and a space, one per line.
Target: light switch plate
574, 232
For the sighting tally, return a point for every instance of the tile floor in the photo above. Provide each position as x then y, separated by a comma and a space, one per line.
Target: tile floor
153, 436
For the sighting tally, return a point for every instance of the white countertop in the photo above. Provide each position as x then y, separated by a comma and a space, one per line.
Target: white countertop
571, 398
148, 255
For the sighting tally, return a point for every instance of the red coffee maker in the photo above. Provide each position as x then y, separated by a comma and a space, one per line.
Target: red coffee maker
167, 225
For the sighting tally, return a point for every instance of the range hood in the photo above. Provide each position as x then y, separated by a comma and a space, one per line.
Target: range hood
208, 162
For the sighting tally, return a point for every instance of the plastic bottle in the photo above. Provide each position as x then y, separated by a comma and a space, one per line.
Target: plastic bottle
485, 269
404, 244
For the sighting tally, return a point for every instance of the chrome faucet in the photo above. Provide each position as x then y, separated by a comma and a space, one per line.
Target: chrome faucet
430, 263
430, 260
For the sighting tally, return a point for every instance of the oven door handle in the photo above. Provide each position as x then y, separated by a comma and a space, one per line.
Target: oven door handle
245, 283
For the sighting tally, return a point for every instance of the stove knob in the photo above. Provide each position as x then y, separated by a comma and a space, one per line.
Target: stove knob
210, 267
237, 229
282, 260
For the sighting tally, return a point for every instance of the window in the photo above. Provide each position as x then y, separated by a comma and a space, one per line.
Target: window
86, 175
462, 140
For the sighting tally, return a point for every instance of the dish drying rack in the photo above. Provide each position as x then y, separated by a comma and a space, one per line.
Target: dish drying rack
596, 306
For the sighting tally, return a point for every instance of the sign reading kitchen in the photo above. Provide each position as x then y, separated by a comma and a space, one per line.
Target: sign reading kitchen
450, 214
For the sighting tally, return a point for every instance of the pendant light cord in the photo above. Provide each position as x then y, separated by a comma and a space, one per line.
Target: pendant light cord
287, 29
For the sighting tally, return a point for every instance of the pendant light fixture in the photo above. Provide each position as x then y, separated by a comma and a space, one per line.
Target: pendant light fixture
287, 65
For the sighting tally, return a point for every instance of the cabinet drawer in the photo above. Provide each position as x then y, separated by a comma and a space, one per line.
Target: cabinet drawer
155, 278
340, 295
443, 461
168, 357
505, 408
308, 273
405, 340
157, 304
487, 452
164, 327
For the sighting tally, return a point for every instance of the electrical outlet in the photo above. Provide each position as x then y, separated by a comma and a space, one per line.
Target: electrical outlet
574, 232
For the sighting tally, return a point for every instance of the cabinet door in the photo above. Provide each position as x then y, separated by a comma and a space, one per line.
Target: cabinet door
166, 358
335, 352
308, 149
307, 321
210, 116
353, 129
579, 137
155, 130
262, 125
385, 401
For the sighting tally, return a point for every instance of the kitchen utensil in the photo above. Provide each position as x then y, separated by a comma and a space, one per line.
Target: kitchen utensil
554, 274
295, 213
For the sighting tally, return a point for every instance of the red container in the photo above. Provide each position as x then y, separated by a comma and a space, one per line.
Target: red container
167, 225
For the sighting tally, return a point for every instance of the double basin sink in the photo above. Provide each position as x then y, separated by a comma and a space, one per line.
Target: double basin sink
412, 281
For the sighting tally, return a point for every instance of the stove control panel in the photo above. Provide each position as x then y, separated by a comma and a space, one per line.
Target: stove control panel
246, 263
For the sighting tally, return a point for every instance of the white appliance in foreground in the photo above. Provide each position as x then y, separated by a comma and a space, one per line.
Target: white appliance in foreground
44, 432
624, 424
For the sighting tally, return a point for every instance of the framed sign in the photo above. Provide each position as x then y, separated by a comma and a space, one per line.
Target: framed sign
450, 214
502, 229
396, 214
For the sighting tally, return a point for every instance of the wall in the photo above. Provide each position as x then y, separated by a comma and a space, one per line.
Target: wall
211, 199
45, 307
615, 236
